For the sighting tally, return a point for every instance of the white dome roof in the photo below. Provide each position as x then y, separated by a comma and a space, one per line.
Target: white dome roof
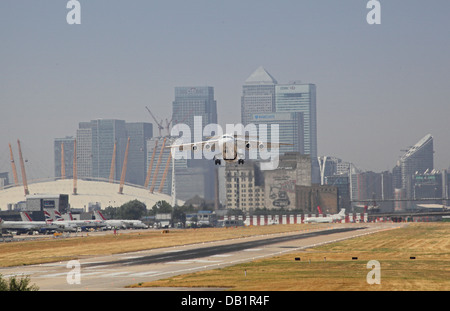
105, 193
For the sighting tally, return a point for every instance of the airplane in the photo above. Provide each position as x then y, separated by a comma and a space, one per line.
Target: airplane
47, 225
110, 223
75, 224
330, 218
69, 225
27, 225
120, 223
229, 147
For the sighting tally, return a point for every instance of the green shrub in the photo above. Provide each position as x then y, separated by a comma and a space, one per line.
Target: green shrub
15, 284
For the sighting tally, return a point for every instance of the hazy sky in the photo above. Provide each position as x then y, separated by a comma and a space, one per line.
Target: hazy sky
380, 88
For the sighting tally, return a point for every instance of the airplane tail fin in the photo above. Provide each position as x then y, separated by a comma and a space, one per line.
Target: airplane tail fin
342, 212
99, 215
48, 217
58, 216
319, 209
25, 217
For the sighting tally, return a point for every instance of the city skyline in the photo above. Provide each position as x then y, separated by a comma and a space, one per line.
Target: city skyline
380, 88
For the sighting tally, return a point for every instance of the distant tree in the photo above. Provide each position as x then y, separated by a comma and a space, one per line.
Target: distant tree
110, 212
178, 215
132, 210
162, 207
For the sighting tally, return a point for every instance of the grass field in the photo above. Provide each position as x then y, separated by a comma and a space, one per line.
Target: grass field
58, 249
331, 267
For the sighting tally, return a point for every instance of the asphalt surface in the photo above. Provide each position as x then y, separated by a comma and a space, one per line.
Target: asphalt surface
221, 249
116, 271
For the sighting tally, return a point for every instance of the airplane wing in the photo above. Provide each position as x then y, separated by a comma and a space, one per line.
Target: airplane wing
250, 143
194, 145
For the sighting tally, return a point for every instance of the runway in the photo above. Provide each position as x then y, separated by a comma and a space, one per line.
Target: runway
114, 272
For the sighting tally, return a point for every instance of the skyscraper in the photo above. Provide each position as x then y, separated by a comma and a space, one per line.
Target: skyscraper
84, 151
302, 98
261, 94
290, 126
67, 144
139, 133
418, 159
194, 176
193, 102
258, 95
98, 141
104, 134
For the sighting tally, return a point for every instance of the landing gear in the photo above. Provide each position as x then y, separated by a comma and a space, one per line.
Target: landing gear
241, 161
217, 161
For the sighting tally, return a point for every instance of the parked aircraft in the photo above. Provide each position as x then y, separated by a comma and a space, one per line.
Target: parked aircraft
330, 218
27, 225
119, 223
73, 225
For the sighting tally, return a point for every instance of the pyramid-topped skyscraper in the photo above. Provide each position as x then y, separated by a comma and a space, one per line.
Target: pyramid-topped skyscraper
261, 77
258, 94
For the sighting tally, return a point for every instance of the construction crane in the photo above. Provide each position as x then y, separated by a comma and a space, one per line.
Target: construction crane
168, 126
160, 126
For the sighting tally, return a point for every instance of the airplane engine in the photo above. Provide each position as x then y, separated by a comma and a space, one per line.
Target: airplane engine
210, 147
262, 146
248, 145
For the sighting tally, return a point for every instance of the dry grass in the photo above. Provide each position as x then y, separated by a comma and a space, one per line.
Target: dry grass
42, 251
430, 271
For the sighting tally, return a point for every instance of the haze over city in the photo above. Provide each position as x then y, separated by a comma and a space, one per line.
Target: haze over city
380, 88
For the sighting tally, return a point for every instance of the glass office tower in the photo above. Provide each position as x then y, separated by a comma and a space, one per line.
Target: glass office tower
302, 98
68, 144
191, 102
139, 133
104, 133
419, 159
290, 126
258, 95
